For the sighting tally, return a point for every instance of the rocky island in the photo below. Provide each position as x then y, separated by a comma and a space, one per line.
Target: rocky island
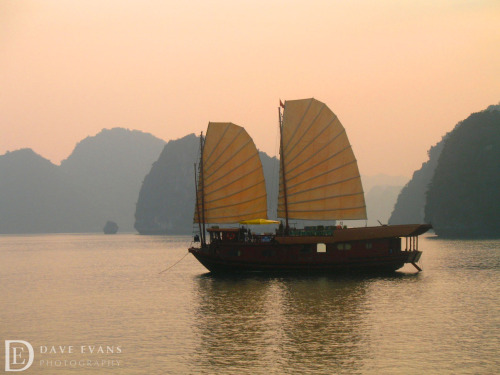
463, 198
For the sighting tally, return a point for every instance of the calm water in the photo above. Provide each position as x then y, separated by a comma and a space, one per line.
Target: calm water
106, 291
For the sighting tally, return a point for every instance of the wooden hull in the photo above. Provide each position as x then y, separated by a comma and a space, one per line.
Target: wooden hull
218, 265
350, 252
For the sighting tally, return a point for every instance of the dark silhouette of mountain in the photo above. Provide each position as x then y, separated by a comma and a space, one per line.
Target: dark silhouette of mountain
411, 202
110, 167
37, 197
110, 227
493, 107
409, 207
166, 198
464, 194
100, 181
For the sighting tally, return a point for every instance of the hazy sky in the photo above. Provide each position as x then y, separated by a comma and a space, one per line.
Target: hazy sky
398, 74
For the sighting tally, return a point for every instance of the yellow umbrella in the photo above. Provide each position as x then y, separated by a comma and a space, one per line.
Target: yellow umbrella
259, 222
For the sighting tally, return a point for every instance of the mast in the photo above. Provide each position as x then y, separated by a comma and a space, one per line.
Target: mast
202, 186
283, 169
197, 203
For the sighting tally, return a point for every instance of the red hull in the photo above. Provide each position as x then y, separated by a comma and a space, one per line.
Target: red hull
218, 264
351, 252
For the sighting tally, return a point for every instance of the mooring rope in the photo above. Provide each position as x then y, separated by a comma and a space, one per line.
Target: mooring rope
166, 269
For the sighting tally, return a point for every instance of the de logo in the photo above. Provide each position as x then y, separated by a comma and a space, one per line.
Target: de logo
19, 355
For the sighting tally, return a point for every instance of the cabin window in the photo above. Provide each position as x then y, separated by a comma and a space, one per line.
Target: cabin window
369, 245
344, 246
321, 248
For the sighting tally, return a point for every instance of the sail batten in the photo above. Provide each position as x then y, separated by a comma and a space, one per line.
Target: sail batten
318, 165
292, 177
325, 186
220, 141
229, 219
223, 213
326, 210
229, 172
311, 142
257, 184
331, 197
289, 143
297, 142
235, 204
228, 159
231, 186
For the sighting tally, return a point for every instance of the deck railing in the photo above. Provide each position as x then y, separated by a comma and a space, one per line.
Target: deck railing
411, 243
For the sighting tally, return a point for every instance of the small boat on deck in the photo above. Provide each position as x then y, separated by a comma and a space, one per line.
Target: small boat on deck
319, 180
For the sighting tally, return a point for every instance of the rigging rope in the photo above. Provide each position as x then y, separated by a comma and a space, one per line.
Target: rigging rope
166, 269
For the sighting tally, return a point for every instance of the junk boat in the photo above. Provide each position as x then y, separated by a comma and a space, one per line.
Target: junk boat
319, 180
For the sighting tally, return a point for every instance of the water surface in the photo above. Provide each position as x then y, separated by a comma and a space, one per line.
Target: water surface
94, 290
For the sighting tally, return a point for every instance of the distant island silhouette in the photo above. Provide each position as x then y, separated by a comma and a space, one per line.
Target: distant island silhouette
143, 183
410, 204
110, 227
463, 198
458, 189
99, 181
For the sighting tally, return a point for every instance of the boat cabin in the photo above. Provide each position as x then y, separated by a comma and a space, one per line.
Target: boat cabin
241, 234
224, 234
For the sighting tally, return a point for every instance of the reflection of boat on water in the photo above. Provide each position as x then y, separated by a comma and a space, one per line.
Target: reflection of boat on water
319, 180
280, 325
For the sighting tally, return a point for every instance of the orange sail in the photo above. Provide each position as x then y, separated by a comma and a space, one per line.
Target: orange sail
321, 174
231, 186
